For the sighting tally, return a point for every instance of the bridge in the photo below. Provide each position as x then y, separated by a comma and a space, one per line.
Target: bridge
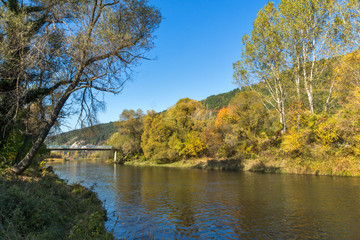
80, 148
83, 148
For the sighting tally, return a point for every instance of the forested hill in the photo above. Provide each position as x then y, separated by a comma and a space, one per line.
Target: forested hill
218, 101
98, 134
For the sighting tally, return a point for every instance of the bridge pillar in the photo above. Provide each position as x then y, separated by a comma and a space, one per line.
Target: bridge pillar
115, 157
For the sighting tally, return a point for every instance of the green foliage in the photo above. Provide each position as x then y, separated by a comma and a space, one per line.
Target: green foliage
10, 148
96, 135
128, 137
14, 146
216, 102
45, 207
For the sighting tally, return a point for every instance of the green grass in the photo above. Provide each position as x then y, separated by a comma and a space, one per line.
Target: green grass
44, 207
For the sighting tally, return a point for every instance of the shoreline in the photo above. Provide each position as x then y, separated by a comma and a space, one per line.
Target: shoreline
326, 167
266, 163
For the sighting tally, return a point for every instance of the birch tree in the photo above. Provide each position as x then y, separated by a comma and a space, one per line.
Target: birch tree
263, 61
349, 24
312, 43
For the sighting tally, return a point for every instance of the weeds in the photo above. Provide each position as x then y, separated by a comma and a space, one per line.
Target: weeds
44, 207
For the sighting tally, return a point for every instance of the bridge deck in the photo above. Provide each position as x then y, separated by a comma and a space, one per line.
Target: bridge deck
81, 148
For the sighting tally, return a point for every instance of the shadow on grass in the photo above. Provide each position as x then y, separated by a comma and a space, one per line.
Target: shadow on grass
226, 164
263, 168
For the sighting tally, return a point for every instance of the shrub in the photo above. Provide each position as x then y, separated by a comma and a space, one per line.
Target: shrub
45, 207
294, 142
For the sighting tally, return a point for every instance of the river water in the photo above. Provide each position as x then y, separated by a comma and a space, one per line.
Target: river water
165, 203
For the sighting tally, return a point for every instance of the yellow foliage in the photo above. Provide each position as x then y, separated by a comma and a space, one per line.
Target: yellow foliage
347, 75
294, 142
326, 132
193, 146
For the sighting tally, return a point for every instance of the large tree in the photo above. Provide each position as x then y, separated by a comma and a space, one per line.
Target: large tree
68, 50
313, 43
263, 60
291, 54
128, 137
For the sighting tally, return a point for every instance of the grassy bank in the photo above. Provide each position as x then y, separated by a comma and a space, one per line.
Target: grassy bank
41, 206
201, 163
316, 163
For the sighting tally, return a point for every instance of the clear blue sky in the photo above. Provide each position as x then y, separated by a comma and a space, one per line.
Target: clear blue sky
197, 42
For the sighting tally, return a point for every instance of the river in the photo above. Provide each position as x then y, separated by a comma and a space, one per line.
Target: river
169, 203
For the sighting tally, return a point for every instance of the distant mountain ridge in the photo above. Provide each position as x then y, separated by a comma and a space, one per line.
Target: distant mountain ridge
95, 135
98, 134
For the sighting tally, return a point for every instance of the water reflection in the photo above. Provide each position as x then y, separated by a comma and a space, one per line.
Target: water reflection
188, 203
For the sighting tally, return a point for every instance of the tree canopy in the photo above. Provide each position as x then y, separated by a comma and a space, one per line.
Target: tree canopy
58, 52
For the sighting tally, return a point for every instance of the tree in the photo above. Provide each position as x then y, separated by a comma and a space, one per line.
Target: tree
97, 44
156, 137
188, 118
248, 113
263, 60
130, 129
297, 42
312, 42
25, 46
176, 133
243, 123
348, 21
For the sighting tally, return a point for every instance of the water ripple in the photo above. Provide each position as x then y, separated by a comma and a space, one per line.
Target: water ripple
161, 203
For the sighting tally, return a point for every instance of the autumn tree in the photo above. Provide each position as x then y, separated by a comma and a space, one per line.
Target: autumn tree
176, 133
245, 123
188, 117
312, 41
292, 51
130, 129
93, 43
156, 137
263, 60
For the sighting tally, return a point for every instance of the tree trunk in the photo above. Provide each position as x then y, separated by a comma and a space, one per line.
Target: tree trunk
308, 88
283, 116
22, 148
298, 97
27, 160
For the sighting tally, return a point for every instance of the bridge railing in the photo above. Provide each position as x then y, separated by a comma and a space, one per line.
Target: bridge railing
71, 147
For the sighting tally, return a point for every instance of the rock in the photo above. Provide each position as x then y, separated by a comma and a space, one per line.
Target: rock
49, 169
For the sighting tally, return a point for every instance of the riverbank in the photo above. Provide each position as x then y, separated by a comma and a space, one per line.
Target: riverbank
201, 163
42, 206
316, 162
271, 162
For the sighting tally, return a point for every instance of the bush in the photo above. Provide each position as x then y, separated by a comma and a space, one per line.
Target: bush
45, 207
294, 142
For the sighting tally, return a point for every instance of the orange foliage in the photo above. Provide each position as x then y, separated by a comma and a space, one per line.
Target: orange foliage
222, 117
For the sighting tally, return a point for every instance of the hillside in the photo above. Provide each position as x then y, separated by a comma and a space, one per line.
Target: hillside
98, 134
218, 101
